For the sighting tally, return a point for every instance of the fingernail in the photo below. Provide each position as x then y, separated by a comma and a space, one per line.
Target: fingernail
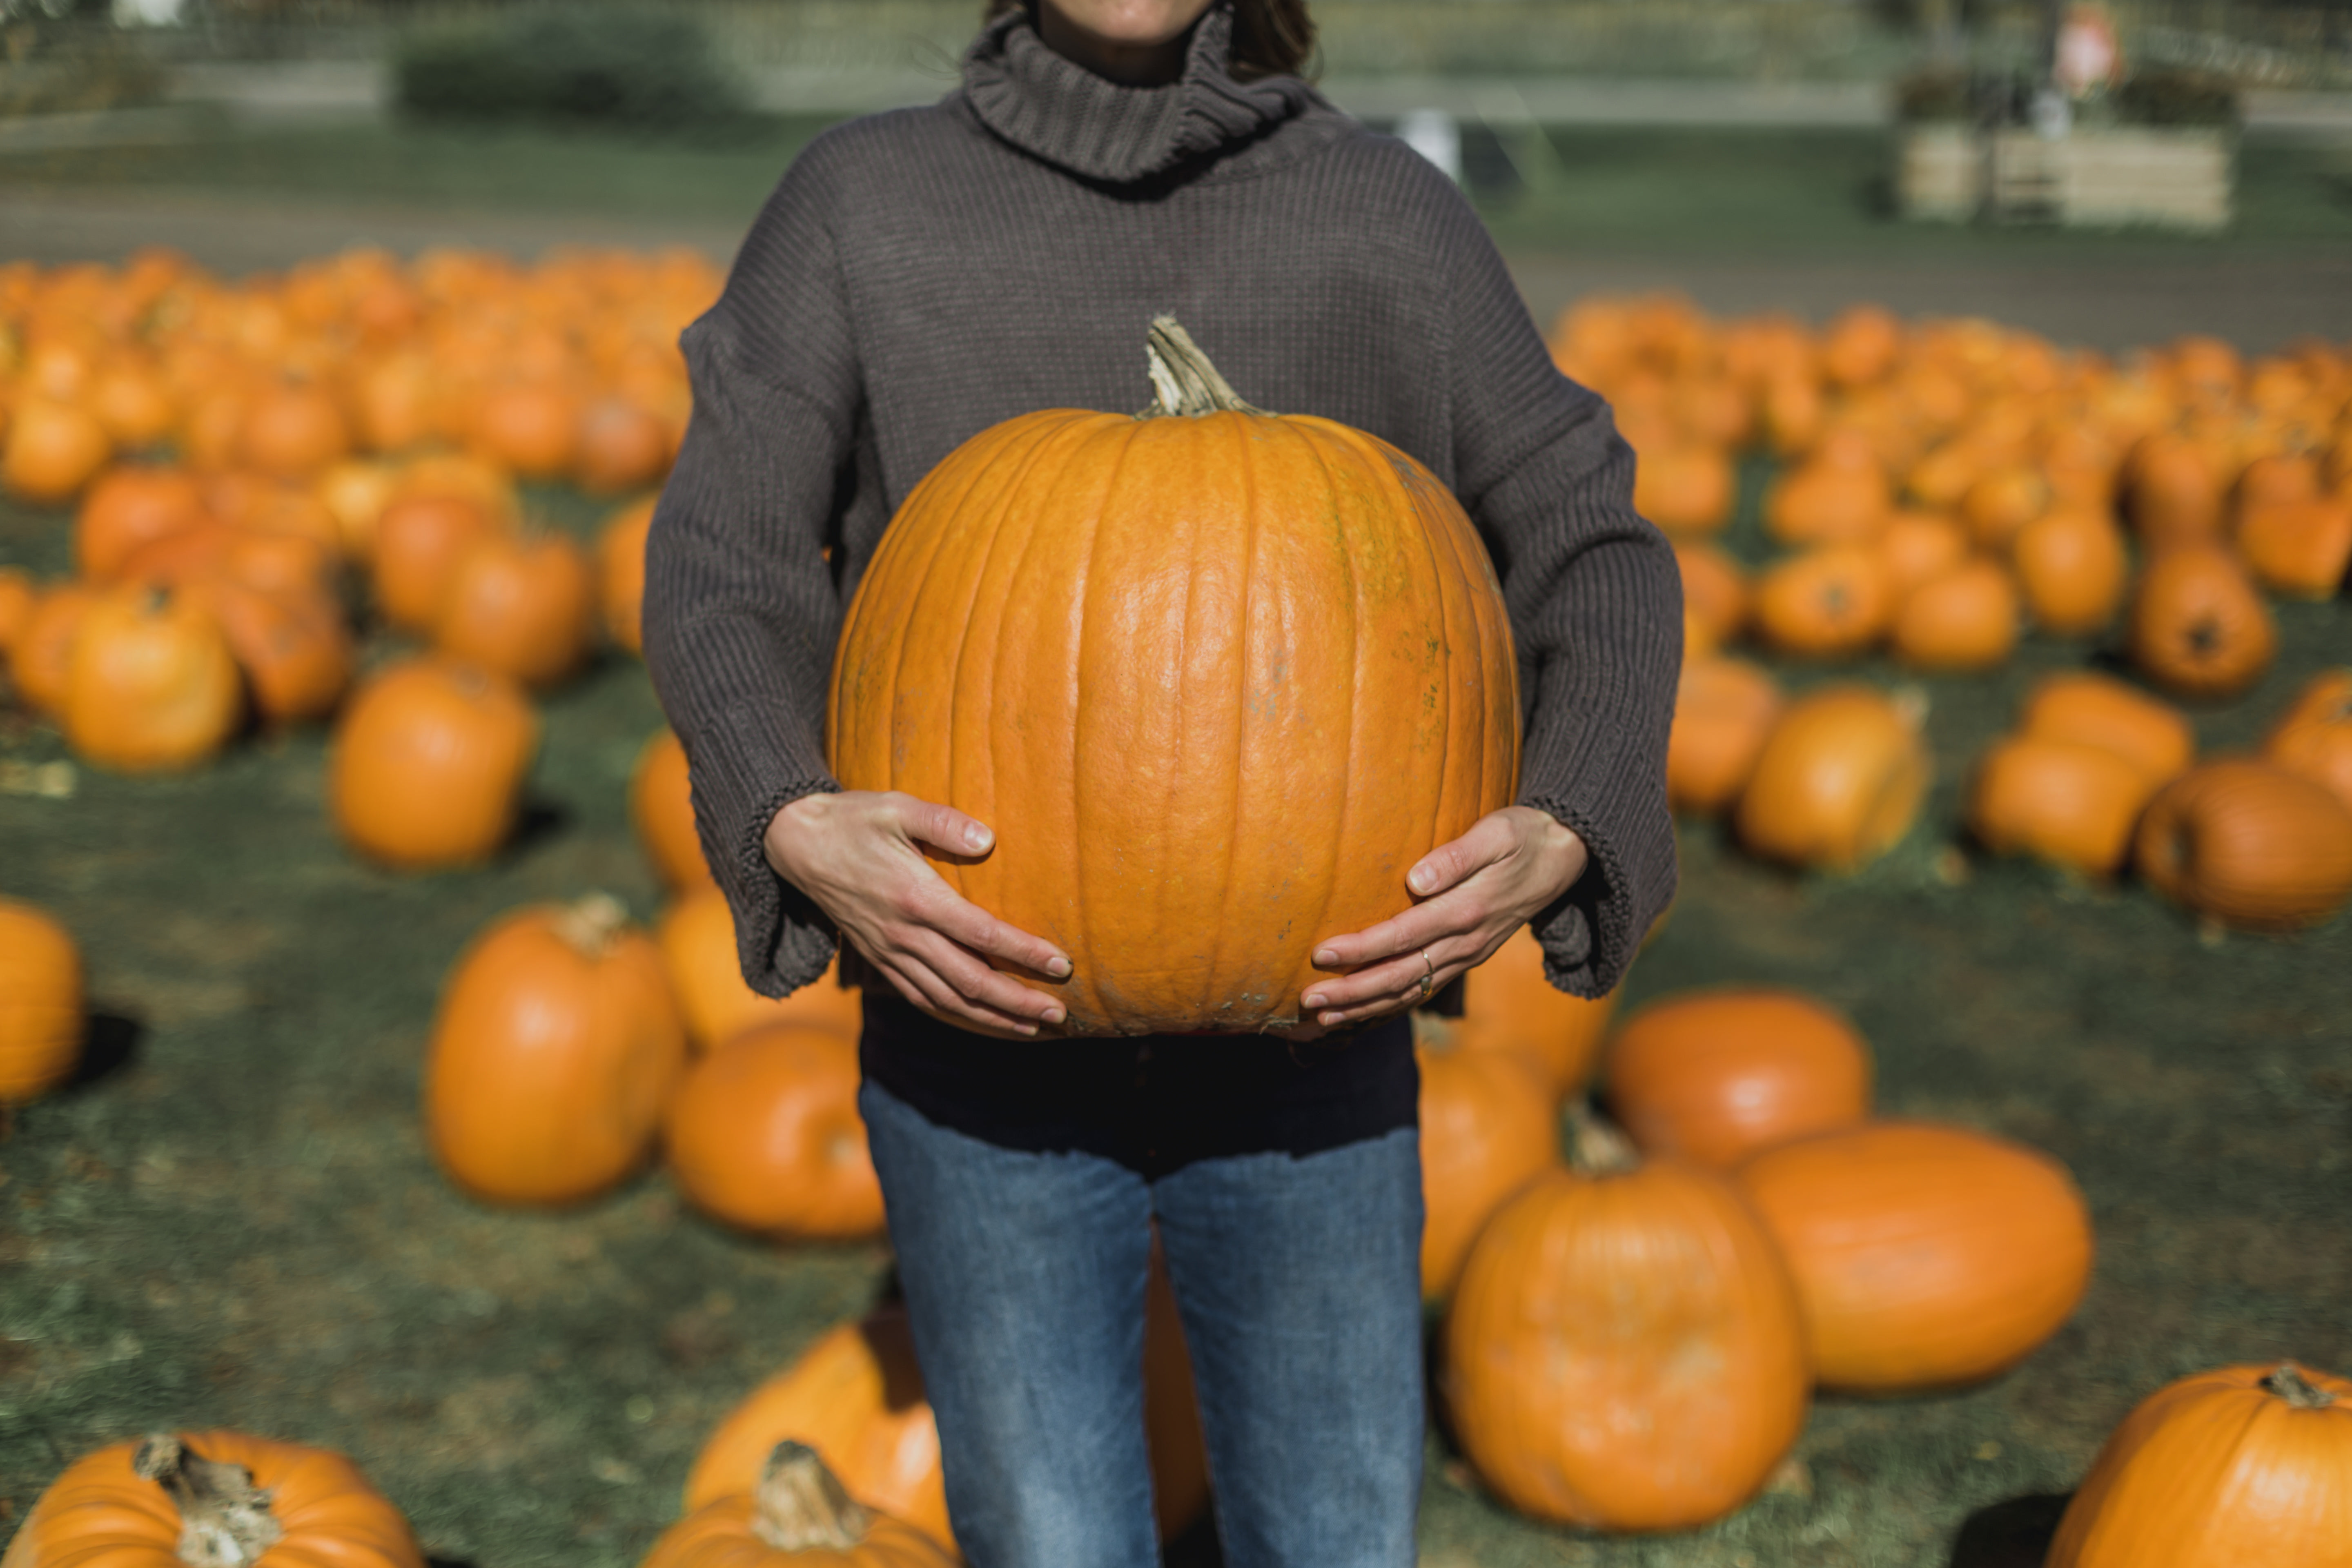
1314, 999
1025, 1028
1054, 1014
1325, 959
1422, 879
1331, 1020
975, 838
1059, 967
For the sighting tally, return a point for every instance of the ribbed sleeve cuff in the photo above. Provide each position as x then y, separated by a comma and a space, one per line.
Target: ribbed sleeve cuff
744, 772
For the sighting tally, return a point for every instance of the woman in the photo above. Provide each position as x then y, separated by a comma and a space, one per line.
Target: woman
915, 277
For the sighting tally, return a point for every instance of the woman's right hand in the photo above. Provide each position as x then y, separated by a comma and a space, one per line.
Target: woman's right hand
857, 854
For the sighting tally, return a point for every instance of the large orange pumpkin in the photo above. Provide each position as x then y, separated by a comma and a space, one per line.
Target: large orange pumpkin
246, 1499
796, 1512
1926, 1256
2314, 736
1207, 623
427, 764
1723, 710
1838, 782
661, 808
2197, 626
698, 944
151, 684
1713, 1077
2070, 802
1508, 1007
555, 1051
765, 1135
41, 1021
2243, 1466
1487, 1129
2248, 843
1623, 1350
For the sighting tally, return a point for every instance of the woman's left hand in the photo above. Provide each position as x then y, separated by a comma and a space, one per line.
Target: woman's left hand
1475, 892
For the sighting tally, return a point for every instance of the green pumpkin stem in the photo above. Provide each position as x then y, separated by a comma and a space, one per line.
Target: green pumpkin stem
799, 1506
1596, 1148
1187, 383
225, 1518
2289, 1383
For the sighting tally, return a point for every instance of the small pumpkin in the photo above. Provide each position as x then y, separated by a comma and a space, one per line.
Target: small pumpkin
554, 1053
2072, 567
427, 764
419, 540
2314, 736
765, 1135
354, 492
522, 605
2243, 1465
2003, 499
2248, 843
1723, 710
2070, 802
697, 943
40, 661
1926, 1257
661, 808
2100, 711
623, 445
1711, 1077
1487, 1129
213, 1500
1838, 782
129, 507
41, 1016
293, 429
2302, 549
529, 427
1830, 602
1715, 589
1918, 545
1839, 495
1625, 1352
1966, 619
2174, 488
1685, 487
151, 684
134, 402
1508, 1007
2197, 626
621, 572
796, 1512
51, 451
293, 645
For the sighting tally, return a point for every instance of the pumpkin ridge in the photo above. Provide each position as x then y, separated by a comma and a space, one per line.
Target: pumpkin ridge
1228, 927
1452, 720
1352, 604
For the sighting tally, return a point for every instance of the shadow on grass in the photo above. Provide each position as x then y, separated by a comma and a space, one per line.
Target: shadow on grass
2012, 1534
110, 1045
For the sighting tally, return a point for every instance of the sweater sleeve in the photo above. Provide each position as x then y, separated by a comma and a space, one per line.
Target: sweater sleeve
1595, 603
741, 609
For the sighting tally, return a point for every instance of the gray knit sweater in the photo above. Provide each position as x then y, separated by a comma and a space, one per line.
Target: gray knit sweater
917, 276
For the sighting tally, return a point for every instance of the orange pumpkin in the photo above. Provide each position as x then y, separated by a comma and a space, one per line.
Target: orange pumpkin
1831, 602
529, 427
765, 1135
18, 598
151, 684
354, 492
2239, 1466
2299, 548
2174, 488
127, 508
521, 604
1839, 495
1712, 1076
2071, 564
1724, 709
427, 764
40, 661
1508, 1007
1123, 549
245, 1499
2248, 843
1918, 545
419, 540
555, 1051
623, 445
1685, 487
1925, 1256
1838, 782
2314, 736
52, 450
295, 650
661, 806
134, 402
796, 1512
2100, 711
1964, 620
1861, 346
1486, 1130
41, 1019
697, 943
621, 572
2273, 479
2197, 626
2003, 499
2070, 802
293, 429
1623, 1350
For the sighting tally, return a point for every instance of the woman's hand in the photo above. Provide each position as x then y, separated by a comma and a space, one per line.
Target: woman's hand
855, 854
1475, 892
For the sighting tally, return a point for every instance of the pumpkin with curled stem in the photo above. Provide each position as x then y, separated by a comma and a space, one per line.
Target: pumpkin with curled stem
798, 1513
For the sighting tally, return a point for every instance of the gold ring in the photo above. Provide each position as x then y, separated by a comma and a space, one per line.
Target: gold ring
1428, 979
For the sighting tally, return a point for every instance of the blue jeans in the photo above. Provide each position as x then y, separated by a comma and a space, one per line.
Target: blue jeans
1299, 1284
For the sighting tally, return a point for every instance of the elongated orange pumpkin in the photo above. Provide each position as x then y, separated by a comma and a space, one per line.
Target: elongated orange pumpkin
2100, 711
2195, 624
1623, 1350
2243, 1466
1216, 679
1713, 1077
246, 1500
797, 1512
1838, 782
1926, 1256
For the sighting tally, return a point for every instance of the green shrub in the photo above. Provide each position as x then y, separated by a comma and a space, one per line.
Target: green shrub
2163, 95
623, 67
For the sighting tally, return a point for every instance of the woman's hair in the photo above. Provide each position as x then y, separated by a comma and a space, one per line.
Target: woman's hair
1271, 37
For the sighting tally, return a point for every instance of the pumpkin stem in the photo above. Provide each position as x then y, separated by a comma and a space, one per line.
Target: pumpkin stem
1595, 1147
1187, 383
591, 923
799, 1506
2289, 1383
225, 1518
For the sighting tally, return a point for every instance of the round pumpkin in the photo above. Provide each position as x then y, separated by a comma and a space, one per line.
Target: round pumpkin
129, 507
2003, 499
623, 445
1963, 620
1487, 1129
51, 451
1067, 552
1623, 1352
1723, 710
1685, 487
529, 427
661, 808
151, 684
2067, 801
1713, 1077
2100, 711
621, 572
251, 1502
1839, 495
41, 1013
419, 540
2299, 548
521, 604
1925, 1256
2197, 626
2247, 844
1838, 782
555, 1052
765, 1135
134, 403
697, 943
2243, 1465
2314, 736
355, 492
427, 764
1918, 545
1830, 602
40, 662
2071, 564
2174, 488
293, 429
796, 1512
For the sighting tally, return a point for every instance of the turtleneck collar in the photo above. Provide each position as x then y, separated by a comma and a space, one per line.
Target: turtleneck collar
1054, 108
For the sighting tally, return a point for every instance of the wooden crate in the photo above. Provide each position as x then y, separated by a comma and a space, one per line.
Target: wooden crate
2093, 177
1940, 175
